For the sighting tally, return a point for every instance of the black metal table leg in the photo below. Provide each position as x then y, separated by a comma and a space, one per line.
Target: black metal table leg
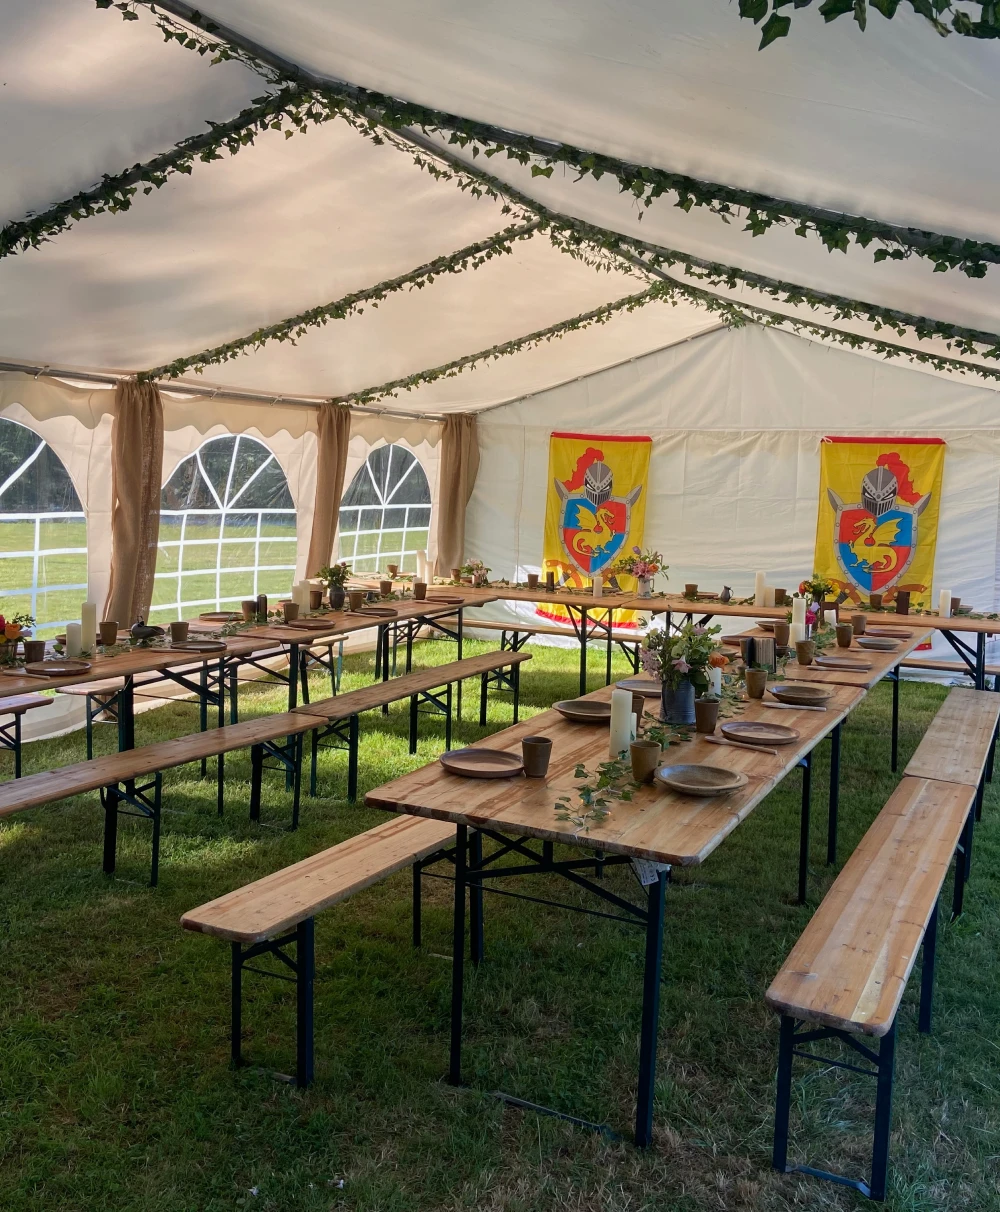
883, 1113
806, 764
610, 620
476, 938
458, 956
352, 758
927, 971
583, 650
981, 660
652, 972
305, 963
460, 628
894, 678
831, 832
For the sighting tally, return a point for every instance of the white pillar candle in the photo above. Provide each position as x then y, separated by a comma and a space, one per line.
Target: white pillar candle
796, 632
798, 611
598, 585
88, 625
635, 725
74, 639
768, 595
715, 678
944, 603
621, 722
421, 565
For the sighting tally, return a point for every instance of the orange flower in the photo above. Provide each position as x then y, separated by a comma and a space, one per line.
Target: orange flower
12, 630
718, 659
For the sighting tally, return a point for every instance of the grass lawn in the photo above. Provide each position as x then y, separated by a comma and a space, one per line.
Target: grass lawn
117, 1093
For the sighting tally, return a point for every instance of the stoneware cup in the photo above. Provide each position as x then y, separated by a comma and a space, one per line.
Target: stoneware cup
249, 608
706, 715
875, 601
780, 597
756, 682
638, 706
385, 588
392, 570
645, 757
781, 633
845, 633
419, 591
315, 599
456, 574
535, 753
690, 591
291, 610
902, 601
34, 650
108, 632
550, 582
955, 603
178, 631
859, 623
356, 597
805, 650
532, 580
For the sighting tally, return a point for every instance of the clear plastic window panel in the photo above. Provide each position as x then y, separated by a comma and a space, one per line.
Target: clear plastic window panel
385, 514
43, 532
227, 530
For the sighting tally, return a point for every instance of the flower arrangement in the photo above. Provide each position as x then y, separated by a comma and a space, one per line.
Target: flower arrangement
334, 575
684, 653
641, 564
816, 588
475, 568
13, 628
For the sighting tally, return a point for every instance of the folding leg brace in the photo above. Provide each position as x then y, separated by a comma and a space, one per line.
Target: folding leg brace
503, 681
289, 758
437, 704
140, 803
345, 736
10, 738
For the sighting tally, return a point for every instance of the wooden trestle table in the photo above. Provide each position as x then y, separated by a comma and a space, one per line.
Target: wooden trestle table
657, 826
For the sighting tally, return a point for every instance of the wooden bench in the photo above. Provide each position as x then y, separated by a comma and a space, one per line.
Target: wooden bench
116, 776
956, 667
844, 978
10, 732
101, 698
342, 712
277, 913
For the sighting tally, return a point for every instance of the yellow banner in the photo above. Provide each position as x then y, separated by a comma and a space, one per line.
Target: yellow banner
879, 501
596, 507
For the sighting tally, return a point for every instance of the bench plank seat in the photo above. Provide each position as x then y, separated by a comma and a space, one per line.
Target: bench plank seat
946, 666
260, 910
956, 746
18, 704
621, 635
850, 965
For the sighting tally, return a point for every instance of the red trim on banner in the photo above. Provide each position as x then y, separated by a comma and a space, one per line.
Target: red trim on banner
598, 437
888, 441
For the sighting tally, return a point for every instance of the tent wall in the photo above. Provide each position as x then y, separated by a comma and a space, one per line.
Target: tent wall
736, 419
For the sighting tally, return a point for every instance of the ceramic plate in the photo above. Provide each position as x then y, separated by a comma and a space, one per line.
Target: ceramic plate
56, 668
440, 597
701, 780
584, 711
765, 624
311, 624
801, 694
647, 686
473, 763
376, 612
758, 734
198, 646
890, 633
220, 616
849, 663
877, 645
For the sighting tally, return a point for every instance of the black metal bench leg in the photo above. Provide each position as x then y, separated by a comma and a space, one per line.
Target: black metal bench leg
806, 765
783, 1097
110, 829
414, 703
90, 727
236, 1003
516, 676
980, 790
305, 963
352, 758
927, 972
883, 1113
202, 711
234, 693
458, 957
417, 890
482, 700
220, 782
894, 763
154, 864
314, 754
447, 717
17, 744
296, 780
256, 778
476, 938
651, 979
831, 833
961, 865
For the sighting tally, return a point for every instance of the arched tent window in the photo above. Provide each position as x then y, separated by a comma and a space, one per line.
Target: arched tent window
227, 529
43, 532
386, 513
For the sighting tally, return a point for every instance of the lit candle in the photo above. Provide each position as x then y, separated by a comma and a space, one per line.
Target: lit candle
88, 625
944, 603
799, 611
715, 677
768, 595
74, 639
759, 585
621, 722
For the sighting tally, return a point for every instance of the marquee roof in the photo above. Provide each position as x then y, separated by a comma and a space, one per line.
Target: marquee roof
895, 124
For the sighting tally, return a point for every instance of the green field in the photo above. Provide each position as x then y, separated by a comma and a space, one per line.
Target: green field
118, 1095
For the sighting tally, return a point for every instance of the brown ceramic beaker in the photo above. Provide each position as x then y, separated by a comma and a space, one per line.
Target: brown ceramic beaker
845, 633
902, 601
385, 588
805, 651
690, 591
875, 601
706, 715
756, 683
419, 591
535, 754
781, 633
249, 608
550, 582
859, 623
645, 756
781, 597
955, 604
315, 599
456, 574
108, 631
291, 610
34, 650
178, 631
532, 580
356, 598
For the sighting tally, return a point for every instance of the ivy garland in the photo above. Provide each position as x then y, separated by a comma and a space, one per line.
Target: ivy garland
943, 15
379, 115
470, 257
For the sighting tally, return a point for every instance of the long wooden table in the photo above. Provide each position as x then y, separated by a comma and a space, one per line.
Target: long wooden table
658, 826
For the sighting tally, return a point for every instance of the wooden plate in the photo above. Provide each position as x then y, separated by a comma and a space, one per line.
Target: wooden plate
57, 668
376, 612
801, 694
584, 711
707, 597
474, 763
891, 633
849, 663
765, 624
440, 597
877, 644
751, 733
701, 780
311, 624
650, 687
220, 616
198, 646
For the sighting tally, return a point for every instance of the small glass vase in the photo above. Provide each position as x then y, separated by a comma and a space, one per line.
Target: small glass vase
677, 702
337, 597
645, 587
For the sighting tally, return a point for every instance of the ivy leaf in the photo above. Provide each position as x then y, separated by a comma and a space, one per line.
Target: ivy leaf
832, 9
538, 171
774, 27
886, 7
756, 10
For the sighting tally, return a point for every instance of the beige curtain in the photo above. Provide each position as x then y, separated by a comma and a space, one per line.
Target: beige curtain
333, 436
456, 480
136, 477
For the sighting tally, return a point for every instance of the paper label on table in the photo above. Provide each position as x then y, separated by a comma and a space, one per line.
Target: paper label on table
646, 872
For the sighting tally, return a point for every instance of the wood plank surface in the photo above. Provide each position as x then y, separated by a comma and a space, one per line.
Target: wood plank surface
560, 597
343, 622
676, 603
51, 785
851, 963
18, 704
658, 824
407, 684
268, 906
959, 667
881, 662
522, 625
956, 745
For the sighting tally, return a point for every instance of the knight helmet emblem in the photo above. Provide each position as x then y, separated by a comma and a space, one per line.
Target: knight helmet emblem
595, 523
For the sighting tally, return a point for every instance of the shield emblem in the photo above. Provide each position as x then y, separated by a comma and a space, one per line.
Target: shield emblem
593, 536
874, 552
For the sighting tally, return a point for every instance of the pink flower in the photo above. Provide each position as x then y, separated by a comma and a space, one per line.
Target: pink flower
698, 631
681, 665
811, 618
637, 551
